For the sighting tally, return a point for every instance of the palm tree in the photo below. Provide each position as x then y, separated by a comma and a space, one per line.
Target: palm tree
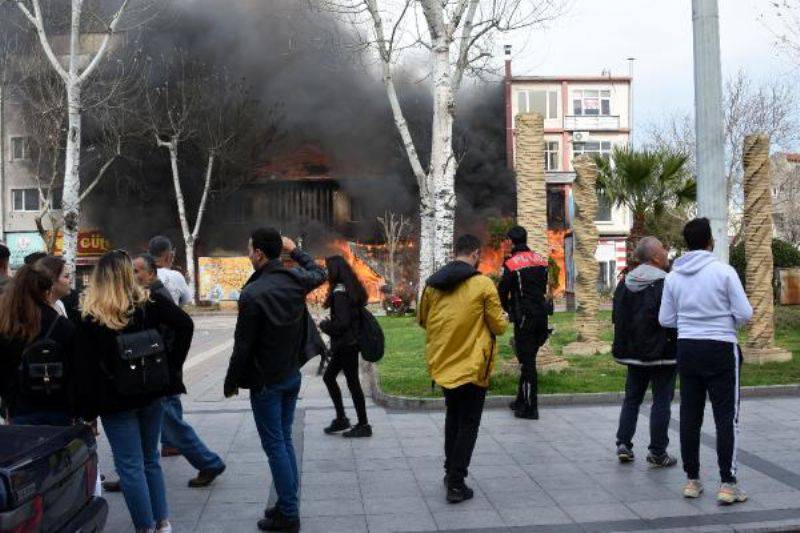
648, 182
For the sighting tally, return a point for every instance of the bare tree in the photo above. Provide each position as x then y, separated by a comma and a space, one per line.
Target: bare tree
395, 229
457, 36
786, 197
108, 104
769, 108
203, 107
75, 72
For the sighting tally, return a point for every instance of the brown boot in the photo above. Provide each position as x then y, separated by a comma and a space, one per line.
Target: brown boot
205, 477
169, 451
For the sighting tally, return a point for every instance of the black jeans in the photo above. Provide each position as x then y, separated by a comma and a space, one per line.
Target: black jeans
526, 346
463, 418
709, 367
662, 378
346, 359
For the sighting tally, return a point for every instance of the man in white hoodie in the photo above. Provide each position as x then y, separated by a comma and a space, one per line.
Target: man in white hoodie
705, 300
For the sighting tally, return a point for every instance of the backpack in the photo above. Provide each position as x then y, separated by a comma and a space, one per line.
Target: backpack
141, 366
41, 370
370, 337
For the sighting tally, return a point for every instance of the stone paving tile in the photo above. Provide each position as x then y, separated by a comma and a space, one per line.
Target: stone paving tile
333, 524
395, 506
533, 516
663, 508
391, 523
463, 519
331, 507
599, 512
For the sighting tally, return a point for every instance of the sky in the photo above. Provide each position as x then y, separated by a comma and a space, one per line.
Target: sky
600, 34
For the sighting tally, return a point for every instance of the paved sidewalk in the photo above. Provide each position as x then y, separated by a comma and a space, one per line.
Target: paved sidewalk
558, 474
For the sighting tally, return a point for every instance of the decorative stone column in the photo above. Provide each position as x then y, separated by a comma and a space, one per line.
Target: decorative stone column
586, 267
760, 347
532, 205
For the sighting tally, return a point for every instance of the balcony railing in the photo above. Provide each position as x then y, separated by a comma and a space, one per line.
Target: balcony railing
591, 122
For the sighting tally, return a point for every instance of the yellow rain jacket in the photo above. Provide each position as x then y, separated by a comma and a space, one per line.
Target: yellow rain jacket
461, 313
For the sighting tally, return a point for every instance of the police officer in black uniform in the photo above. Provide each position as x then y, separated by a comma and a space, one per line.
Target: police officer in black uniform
524, 296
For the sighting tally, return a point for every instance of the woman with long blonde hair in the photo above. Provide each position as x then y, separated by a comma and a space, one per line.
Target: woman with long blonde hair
116, 315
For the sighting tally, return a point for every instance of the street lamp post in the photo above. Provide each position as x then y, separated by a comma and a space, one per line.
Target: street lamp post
712, 187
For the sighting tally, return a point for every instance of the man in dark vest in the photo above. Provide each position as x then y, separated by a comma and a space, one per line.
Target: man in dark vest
523, 294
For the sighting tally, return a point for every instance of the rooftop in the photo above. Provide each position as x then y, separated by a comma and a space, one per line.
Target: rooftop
620, 79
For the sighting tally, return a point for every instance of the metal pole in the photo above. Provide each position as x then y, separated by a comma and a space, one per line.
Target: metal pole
630, 100
712, 188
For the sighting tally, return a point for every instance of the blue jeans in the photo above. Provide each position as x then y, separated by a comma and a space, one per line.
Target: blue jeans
133, 436
273, 411
175, 432
43, 418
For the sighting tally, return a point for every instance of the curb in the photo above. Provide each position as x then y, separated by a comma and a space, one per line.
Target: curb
406, 403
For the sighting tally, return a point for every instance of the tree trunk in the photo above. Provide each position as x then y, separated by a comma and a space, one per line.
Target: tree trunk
71, 191
2, 155
636, 234
427, 241
188, 238
442, 167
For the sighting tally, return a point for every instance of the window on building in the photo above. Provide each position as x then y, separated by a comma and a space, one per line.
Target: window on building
20, 149
607, 276
25, 200
603, 208
543, 102
551, 155
591, 103
601, 148
556, 208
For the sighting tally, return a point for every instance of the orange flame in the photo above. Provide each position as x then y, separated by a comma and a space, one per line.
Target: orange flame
492, 260
368, 277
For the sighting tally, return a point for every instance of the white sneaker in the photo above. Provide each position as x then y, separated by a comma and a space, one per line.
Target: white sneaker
164, 527
693, 489
730, 493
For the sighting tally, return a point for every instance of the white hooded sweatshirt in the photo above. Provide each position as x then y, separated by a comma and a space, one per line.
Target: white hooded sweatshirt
704, 299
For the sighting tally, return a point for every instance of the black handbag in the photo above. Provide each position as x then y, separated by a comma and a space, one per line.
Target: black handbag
141, 366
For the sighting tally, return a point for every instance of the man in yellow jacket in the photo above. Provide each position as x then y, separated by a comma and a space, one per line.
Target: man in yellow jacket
461, 313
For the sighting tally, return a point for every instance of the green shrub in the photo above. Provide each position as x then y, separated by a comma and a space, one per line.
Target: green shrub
784, 255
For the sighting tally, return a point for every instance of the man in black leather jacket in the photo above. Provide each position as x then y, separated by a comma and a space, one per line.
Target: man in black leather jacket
270, 339
523, 294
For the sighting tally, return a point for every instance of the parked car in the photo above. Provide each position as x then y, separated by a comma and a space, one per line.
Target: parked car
47, 480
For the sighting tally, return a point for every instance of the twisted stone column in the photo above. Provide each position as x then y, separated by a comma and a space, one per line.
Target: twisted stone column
586, 267
532, 204
760, 347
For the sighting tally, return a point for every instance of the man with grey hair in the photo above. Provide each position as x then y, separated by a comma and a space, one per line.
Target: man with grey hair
647, 349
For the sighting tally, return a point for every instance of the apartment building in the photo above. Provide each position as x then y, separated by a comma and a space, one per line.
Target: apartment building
582, 115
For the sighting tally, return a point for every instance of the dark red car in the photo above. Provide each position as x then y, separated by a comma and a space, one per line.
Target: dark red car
47, 480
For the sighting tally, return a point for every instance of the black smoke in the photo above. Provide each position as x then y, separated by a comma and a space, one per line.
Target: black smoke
330, 96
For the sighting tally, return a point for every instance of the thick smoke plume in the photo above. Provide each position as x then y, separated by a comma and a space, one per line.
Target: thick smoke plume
330, 98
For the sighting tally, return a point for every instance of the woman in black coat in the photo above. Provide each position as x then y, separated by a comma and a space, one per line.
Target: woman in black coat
26, 317
346, 297
114, 304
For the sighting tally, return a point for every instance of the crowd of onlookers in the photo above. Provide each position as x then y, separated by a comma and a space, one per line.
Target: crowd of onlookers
115, 353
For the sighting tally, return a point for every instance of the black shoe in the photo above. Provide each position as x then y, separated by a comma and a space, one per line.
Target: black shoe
358, 431
512, 405
270, 512
337, 425
530, 414
664, 460
279, 522
624, 454
111, 486
206, 477
457, 493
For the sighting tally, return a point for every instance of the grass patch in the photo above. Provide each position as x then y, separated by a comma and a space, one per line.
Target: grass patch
403, 371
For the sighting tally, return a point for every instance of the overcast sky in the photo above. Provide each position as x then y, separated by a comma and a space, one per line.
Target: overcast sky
600, 34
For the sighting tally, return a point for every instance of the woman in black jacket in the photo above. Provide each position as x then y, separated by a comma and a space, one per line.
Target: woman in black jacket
26, 317
346, 296
114, 305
